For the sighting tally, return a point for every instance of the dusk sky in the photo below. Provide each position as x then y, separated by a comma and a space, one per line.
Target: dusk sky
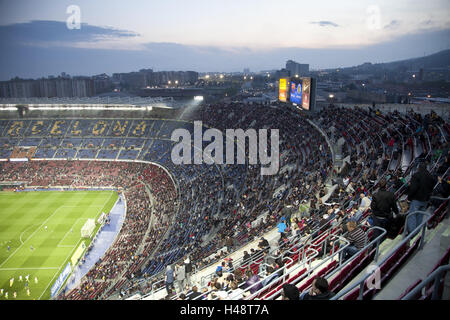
209, 35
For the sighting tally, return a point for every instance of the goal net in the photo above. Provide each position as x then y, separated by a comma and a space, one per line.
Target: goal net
88, 228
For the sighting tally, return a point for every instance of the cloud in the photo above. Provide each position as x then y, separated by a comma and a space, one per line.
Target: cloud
44, 32
25, 61
392, 25
325, 23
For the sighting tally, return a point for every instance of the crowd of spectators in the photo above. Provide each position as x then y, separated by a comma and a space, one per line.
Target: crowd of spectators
219, 208
124, 255
370, 145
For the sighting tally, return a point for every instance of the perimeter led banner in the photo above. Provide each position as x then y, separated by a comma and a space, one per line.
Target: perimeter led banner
60, 281
283, 91
296, 93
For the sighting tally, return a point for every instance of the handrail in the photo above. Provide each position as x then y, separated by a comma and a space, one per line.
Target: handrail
440, 198
315, 253
362, 281
294, 239
434, 277
315, 232
300, 265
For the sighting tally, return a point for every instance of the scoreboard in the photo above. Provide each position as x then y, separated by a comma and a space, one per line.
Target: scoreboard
300, 92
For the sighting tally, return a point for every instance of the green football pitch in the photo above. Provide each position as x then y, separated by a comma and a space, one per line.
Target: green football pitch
27, 247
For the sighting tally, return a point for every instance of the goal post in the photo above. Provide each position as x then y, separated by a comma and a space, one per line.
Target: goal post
88, 228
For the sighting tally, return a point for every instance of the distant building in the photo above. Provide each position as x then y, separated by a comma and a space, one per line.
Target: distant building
146, 77
66, 86
283, 73
49, 88
296, 68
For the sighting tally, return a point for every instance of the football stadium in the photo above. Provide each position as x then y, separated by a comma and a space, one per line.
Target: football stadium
242, 187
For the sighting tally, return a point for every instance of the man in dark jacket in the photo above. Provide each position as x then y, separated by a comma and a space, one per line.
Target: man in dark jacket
290, 292
383, 205
287, 213
319, 290
419, 192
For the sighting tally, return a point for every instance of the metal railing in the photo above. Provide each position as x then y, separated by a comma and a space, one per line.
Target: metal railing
309, 258
362, 281
435, 277
368, 246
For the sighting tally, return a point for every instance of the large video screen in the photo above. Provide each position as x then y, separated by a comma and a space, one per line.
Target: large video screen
283, 91
306, 94
296, 92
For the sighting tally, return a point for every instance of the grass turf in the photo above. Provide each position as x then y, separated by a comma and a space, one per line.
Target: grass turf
38, 252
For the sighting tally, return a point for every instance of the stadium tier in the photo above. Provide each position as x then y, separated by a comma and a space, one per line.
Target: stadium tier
328, 162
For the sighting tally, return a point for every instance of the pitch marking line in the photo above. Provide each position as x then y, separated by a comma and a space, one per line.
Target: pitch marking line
15, 251
71, 253
43, 223
67, 246
12, 269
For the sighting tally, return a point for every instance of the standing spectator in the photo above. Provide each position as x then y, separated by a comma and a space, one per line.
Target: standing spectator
169, 279
180, 275
246, 259
229, 244
282, 226
419, 192
383, 205
188, 271
287, 214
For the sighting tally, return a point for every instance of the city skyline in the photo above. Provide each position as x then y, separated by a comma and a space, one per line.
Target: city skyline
206, 36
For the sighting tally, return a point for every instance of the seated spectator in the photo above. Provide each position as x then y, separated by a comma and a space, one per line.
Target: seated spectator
219, 269
357, 238
238, 277
235, 293
263, 244
319, 290
228, 280
170, 294
272, 275
229, 264
246, 259
364, 205
220, 292
290, 292
194, 294
252, 279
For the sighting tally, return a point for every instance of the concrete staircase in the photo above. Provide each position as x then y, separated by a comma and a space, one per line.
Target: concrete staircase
437, 241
